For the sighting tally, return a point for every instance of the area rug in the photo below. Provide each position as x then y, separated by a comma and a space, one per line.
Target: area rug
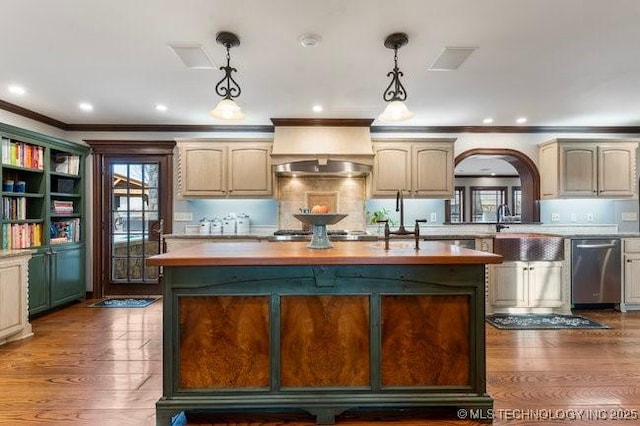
540, 321
124, 302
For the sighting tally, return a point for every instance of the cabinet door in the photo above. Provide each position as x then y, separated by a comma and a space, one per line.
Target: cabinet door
632, 278
12, 299
548, 155
506, 284
250, 170
578, 165
391, 168
203, 169
432, 170
38, 283
545, 284
616, 170
67, 274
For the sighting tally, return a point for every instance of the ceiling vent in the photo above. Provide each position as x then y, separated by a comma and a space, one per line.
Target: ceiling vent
193, 56
451, 58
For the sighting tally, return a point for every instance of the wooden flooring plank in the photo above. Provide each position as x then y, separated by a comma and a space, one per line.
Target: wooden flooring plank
91, 366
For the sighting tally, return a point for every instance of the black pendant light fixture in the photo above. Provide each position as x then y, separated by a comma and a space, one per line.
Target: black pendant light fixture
395, 93
227, 109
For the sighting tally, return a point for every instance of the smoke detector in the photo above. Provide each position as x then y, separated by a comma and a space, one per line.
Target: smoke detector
309, 40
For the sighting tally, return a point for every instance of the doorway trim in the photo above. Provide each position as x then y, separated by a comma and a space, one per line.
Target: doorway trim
132, 148
529, 177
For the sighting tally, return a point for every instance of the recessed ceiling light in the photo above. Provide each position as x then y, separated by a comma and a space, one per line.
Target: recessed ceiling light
17, 90
161, 107
317, 108
85, 106
521, 120
488, 120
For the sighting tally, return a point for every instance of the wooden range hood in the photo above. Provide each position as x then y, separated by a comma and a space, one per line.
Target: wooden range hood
322, 147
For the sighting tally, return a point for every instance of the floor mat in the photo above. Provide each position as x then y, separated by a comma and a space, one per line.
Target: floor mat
541, 321
124, 302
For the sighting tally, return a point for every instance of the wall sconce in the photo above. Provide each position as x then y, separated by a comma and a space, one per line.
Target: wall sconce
395, 93
227, 109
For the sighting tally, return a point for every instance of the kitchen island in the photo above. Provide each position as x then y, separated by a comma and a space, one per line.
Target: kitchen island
259, 326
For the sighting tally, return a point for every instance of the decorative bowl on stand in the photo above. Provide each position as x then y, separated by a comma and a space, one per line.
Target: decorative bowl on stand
319, 222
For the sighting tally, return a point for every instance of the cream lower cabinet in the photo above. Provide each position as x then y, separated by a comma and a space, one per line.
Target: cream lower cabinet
525, 287
631, 299
210, 169
424, 169
14, 321
578, 169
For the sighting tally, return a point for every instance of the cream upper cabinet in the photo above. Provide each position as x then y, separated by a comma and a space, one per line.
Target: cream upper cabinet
391, 168
432, 170
572, 168
422, 168
202, 169
250, 169
215, 168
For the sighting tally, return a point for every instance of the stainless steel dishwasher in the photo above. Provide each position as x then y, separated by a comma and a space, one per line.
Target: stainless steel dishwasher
596, 271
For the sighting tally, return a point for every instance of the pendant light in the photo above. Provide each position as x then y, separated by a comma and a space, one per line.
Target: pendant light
227, 109
395, 93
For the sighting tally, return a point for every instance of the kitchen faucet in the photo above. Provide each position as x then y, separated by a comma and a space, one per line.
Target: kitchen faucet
401, 230
505, 211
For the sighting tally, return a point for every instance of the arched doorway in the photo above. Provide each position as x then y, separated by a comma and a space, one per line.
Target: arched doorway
529, 178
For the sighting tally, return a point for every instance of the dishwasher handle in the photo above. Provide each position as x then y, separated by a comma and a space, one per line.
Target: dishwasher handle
595, 246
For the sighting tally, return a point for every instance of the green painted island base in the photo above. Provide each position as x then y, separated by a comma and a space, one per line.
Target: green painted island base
172, 412
323, 338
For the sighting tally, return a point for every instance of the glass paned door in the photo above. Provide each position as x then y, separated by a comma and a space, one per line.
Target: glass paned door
134, 212
134, 224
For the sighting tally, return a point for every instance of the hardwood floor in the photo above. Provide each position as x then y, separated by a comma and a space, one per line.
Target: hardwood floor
98, 366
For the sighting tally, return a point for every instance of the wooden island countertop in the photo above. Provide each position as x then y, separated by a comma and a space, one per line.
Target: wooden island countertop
342, 253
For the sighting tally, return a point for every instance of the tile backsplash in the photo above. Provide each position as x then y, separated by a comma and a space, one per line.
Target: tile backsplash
348, 194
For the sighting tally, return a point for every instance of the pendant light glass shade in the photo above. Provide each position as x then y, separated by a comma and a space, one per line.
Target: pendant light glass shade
227, 110
395, 111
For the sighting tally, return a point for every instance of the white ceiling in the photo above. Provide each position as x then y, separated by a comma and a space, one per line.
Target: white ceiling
557, 62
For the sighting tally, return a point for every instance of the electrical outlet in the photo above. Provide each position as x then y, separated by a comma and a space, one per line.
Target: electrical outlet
182, 216
590, 217
434, 217
555, 217
574, 217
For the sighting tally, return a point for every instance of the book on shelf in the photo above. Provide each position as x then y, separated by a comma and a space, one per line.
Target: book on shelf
22, 154
14, 208
21, 235
62, 207
67, 163
69, 230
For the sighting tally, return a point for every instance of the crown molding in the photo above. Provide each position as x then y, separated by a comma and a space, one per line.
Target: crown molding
27, 113
505, 129
167, 128
350, 122
329, 122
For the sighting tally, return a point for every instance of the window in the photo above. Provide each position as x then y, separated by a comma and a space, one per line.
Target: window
516, 200
485, 201
456, 214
